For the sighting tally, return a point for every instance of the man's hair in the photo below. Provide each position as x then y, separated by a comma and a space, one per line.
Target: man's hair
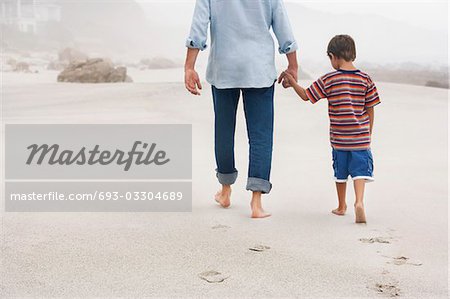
342, 46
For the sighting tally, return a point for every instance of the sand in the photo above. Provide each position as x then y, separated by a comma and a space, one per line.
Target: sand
310, 252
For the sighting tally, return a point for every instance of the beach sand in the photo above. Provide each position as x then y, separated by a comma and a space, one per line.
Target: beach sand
312, 252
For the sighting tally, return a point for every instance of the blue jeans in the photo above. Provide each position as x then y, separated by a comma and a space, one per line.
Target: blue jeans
258, 107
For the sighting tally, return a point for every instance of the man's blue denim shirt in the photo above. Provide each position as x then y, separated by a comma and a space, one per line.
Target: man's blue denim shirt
242, 48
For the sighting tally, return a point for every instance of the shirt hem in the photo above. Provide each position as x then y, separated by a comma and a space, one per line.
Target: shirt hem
350, 149
249, 85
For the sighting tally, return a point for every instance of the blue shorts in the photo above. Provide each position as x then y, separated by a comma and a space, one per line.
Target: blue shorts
357, 164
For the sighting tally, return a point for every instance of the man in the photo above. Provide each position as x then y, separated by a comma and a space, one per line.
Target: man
241, 60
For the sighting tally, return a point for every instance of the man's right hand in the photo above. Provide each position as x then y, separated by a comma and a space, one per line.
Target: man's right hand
192, 81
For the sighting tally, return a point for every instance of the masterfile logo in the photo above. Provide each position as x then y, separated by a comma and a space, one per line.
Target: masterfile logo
73, 151
98, 168
55, 155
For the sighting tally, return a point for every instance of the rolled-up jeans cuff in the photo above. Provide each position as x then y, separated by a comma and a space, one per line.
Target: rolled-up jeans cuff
258, 185
227, 178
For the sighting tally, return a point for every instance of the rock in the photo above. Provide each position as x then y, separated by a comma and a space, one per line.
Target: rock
95, 70
69, 55
118, 75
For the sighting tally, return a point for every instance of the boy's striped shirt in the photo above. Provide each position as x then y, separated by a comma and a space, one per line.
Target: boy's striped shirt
349, 93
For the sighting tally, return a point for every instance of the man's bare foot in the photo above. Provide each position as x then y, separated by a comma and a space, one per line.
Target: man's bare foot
257, 210
259, 213
223, 197
360, 214
339, 211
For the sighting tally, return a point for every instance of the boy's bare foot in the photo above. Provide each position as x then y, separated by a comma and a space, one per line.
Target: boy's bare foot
360, 214
223, 197
339, 211
257, 210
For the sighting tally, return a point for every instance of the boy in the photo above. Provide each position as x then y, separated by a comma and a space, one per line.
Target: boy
351, 96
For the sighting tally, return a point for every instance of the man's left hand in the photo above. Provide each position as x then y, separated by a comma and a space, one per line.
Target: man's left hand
293, 71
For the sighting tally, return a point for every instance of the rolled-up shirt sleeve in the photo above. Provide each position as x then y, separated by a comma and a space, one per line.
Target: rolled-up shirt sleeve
199, 28
282, 28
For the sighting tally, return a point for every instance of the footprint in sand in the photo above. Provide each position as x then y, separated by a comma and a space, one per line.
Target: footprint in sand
221, 227
389, 289
213, 276
259, 248
402, 260
383, 240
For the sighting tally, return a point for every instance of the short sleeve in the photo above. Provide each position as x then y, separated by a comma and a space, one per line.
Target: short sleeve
372, 98
316, 91
199, 28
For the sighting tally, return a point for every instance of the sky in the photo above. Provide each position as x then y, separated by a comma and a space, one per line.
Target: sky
432, 15
387, 32
429, 14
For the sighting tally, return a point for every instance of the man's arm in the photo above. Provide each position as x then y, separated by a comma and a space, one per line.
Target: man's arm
191, 78
292, 64
371, 113
286, 40
196, 42
292, 69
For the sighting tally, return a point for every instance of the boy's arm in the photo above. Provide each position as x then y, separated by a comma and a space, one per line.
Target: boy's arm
371, 100
291, 81
300, 91
371, 113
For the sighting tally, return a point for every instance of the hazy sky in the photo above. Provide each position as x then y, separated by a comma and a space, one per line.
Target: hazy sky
430, 14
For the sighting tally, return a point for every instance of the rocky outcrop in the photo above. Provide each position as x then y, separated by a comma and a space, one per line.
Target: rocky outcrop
95, 70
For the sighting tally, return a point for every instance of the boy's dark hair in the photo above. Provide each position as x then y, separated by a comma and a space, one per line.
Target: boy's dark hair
342, 46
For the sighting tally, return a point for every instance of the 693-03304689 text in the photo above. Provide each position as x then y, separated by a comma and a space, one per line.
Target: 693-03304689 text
101, 195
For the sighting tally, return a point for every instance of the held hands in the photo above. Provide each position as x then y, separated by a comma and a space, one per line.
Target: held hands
290, 81
288, 77
192, 81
